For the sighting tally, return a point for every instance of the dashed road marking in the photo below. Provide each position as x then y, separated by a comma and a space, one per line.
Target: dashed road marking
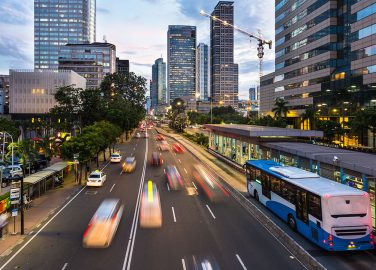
173, 213
65, 266
30, 233
194, 185
185, 171
112, 187
168, 186
241, 262
183, 263
211, 212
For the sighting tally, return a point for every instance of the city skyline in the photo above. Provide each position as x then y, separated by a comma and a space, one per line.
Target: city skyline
148, 36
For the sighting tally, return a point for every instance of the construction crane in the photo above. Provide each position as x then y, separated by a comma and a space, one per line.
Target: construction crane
260, 40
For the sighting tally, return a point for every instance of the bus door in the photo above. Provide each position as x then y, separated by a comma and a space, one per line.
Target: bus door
265, 184
302, 205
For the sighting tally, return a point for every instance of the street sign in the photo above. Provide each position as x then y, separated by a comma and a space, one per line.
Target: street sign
14, 194
14, 201
14, 212
76, 156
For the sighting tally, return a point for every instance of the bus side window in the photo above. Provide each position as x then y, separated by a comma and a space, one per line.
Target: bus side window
314, 206
288, 192
265, 183
276, 185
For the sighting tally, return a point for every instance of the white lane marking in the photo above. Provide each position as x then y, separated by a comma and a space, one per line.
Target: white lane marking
185, 171
65, 266
179, 160
134, 148
35, 235
164, 171
241, 262
30, 233
173, 213
183, 263
132, 236
292, 257
105, 165
194, 185
207, 206
112, 187
168, 186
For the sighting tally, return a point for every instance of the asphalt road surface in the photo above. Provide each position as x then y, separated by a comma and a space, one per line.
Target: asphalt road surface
193, 228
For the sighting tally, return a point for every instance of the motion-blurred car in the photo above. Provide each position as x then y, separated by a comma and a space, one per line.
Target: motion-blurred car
150, 211
174, 179
146, 135
103, 225
201, 263
156, 159
159, 137
96, 179
164, 146
115, 158
129, 165
208, 184
178, 148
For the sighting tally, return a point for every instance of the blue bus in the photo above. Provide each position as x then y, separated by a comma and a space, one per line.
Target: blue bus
334, 216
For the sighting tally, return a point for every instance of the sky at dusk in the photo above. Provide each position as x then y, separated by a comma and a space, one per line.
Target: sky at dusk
138, 28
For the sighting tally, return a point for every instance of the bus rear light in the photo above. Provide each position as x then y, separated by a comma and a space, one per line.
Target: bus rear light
330, 237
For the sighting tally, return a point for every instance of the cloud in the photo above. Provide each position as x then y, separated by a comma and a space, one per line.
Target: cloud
16, 12
141, 64
103, 10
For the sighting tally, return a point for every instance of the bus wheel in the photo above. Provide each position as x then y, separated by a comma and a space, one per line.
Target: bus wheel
291, 222
256, 196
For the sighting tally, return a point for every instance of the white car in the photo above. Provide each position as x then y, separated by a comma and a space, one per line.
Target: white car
138, 135
115, 158
164, 146
96, 179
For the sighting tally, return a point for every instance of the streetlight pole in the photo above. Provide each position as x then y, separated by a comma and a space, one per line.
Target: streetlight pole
22, 202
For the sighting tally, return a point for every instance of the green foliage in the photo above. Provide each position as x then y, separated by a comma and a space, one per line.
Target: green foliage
268, 121
330, 129
280, 110
198, 138
10, 127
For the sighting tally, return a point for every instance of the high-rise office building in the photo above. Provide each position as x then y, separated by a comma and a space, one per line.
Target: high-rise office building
57, 23
202, 71
181, 61
153, 95
325, 60
223, 71
122, 66
253, 93
92, 61
4, 94
159, 81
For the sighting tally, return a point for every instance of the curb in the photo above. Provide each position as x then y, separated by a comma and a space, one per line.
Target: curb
293, 247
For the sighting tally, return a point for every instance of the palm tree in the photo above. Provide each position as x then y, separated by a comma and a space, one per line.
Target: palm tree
309, 114
280, 110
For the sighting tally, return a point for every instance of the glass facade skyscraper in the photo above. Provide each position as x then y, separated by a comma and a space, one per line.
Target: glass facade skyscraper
202, 77
223, 71
159, 82
181, 61
92, 61
59, 22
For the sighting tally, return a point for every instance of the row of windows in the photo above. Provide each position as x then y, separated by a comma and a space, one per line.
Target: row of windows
316, 36
280, 4
303, 70
365, 12
364, 71
300, 15
322, 17
365, 52
293, 7
289, 192
365, 32
302, 84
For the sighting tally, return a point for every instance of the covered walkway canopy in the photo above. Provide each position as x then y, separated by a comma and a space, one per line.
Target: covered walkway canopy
45, 173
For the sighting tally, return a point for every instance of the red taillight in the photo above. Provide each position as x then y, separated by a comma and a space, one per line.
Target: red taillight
330, 237
371, 238
88, 229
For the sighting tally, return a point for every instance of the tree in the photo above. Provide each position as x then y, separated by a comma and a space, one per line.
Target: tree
10, 127
268, 121
309, 114
181, 122
280, 110
363, 121
92, 106
330, 129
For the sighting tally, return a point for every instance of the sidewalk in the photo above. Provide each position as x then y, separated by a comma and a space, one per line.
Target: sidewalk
226, 172
41, 209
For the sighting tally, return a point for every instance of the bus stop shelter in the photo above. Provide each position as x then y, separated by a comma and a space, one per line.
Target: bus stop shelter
39, 179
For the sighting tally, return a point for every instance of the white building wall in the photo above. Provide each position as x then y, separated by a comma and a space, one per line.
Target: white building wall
32, 91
